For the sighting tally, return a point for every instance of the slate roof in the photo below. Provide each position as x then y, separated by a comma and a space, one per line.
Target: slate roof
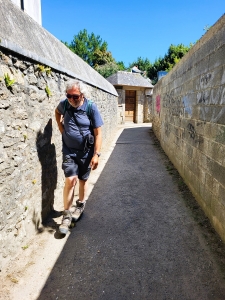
129, 79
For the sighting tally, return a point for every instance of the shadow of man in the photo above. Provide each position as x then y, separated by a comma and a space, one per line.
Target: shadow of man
47, 157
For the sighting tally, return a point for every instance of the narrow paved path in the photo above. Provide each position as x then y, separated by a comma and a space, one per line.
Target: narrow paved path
136, 239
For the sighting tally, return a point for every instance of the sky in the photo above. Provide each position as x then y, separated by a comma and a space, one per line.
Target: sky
132, 29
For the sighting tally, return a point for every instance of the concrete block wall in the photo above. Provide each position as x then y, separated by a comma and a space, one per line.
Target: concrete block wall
189, 120
31, 179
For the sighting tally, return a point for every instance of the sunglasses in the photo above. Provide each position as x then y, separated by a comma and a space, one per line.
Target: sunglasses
75, 97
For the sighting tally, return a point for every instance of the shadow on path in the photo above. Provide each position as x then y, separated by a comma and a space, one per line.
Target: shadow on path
138, 237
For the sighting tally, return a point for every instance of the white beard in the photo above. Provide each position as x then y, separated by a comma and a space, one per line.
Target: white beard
72, 103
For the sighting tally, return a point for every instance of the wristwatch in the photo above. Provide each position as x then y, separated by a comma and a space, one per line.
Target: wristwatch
98, 153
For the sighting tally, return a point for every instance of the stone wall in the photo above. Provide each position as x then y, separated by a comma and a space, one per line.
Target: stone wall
189, 120
31, 179
31, 85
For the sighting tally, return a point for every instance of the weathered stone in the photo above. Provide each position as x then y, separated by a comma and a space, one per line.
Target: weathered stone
6, 169
20, 113
9, 141
21, 65
12, 133
18, 160
35, 126
2, 127
7, 60
41, 83
30, 69
4, 103
32, 79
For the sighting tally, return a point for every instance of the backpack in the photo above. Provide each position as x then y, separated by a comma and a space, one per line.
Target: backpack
88, 139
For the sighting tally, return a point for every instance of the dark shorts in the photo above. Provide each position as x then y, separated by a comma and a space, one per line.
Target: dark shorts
77, 164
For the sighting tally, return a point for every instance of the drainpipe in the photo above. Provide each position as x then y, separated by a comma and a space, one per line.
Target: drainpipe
22, 4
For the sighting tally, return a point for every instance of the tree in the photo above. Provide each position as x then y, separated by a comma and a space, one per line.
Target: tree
121, 66
110, 68
90, 48
143, 64
94, 51
170, 59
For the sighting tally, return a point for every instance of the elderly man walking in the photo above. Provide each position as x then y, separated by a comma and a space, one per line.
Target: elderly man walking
79, 122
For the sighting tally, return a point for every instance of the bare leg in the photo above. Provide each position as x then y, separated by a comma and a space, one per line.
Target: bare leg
82, 189
68, 191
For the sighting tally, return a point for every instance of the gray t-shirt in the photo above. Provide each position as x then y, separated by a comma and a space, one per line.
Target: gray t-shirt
72, 137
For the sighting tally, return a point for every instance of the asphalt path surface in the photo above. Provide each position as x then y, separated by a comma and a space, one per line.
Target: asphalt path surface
137, 238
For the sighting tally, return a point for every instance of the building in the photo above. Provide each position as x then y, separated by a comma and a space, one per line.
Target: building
31, 7
135, 96
161, 74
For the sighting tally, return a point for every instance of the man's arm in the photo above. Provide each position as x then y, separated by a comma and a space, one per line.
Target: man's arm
97, 147
59, 118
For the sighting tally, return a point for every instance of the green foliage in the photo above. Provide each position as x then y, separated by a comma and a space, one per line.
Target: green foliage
90, 48
25, 247
206, 27
43, 69
102, 57
170, 59
48, 91
121, 66
25, 136
143, 64
108, 69
8, 81
93, 50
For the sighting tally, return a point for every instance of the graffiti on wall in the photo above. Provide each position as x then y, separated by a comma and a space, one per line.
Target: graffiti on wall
203, 97
204, 101
208, 101
191, 131
211, 100
198, 139
212, 103
205, 79
174, 103
187, 105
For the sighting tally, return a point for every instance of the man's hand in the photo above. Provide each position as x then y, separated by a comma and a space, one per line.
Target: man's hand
94, 162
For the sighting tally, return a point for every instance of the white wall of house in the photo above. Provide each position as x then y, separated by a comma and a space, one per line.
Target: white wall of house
32, 8
17, 2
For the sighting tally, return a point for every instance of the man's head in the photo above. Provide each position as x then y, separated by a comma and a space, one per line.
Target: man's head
75, 92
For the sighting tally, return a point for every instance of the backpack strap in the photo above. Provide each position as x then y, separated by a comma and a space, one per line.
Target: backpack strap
65, 107
88, 108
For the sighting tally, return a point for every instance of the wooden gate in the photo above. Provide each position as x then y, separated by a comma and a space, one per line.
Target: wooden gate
130, 104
